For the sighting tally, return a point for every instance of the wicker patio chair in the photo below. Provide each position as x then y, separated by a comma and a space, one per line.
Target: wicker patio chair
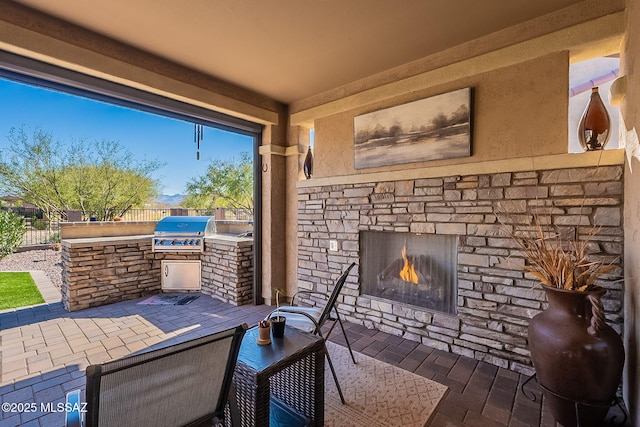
185, 384
313, 319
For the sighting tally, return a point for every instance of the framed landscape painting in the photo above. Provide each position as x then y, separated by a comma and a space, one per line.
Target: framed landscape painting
433, 128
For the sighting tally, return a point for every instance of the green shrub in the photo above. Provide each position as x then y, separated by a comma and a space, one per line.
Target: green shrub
12, 230
54, 237
39, 224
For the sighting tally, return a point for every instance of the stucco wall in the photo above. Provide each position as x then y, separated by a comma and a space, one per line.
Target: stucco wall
631, 116
518, 111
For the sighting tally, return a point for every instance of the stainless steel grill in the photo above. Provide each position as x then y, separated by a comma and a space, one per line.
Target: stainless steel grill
182, 233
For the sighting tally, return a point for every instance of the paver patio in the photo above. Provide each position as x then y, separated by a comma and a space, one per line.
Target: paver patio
45, 350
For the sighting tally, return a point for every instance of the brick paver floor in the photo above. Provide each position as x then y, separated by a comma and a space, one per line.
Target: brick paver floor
479, 395
44, 351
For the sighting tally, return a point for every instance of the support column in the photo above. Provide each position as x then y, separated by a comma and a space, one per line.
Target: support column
274, 214
282, 152
629, 97
299, 140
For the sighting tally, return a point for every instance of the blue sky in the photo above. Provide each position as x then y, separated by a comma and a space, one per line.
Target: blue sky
70, 118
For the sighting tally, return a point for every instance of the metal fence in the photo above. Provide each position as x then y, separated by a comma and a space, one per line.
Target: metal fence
42, 230
157, 214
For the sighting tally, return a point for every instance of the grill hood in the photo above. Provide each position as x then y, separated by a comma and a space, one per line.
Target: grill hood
200, 226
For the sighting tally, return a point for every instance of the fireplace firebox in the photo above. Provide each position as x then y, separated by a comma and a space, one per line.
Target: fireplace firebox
412, 269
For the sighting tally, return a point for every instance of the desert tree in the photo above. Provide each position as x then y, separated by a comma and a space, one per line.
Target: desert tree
226, 184
99, 178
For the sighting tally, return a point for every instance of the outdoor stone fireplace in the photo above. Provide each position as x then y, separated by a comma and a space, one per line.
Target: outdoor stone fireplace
409, 268
495, 299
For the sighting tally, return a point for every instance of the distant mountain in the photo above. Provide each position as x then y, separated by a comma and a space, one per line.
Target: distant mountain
170, 199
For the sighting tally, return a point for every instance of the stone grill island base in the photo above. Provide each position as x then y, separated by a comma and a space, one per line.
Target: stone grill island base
109, 262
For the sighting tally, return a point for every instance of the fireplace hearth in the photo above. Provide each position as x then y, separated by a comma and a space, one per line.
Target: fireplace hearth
413, 269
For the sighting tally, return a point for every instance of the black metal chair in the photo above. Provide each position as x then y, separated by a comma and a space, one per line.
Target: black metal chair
187, 384
313, 319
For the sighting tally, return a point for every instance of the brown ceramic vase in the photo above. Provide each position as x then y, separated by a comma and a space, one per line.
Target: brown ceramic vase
578, 357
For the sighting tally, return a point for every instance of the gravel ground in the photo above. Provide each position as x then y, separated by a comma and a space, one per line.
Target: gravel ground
46, 260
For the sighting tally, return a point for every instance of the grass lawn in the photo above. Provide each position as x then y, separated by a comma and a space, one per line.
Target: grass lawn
18, 290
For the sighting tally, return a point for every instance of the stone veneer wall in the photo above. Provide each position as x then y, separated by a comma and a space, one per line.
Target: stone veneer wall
106, 270
495, 298
227, 270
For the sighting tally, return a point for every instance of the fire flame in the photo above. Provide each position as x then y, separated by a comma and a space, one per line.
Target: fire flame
408, 273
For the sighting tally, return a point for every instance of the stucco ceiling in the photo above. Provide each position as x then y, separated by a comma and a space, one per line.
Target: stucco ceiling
293, 49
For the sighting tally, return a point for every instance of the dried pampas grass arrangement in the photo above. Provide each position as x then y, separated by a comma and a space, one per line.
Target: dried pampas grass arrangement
557, 261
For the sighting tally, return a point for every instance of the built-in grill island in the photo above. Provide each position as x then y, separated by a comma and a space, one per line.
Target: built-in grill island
106, 262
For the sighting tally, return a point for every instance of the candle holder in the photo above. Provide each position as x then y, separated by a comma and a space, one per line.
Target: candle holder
264, 332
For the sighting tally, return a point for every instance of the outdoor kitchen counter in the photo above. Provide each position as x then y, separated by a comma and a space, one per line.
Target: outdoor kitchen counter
230, 238
89, 241
108, 269
227, 268
105, 240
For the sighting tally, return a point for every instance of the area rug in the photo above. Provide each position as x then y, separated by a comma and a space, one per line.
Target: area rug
169, 300
377, 394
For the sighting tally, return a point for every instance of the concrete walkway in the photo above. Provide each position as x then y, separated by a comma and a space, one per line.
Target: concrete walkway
49, 292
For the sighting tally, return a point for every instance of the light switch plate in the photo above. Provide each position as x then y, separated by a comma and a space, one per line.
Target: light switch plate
333, 245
